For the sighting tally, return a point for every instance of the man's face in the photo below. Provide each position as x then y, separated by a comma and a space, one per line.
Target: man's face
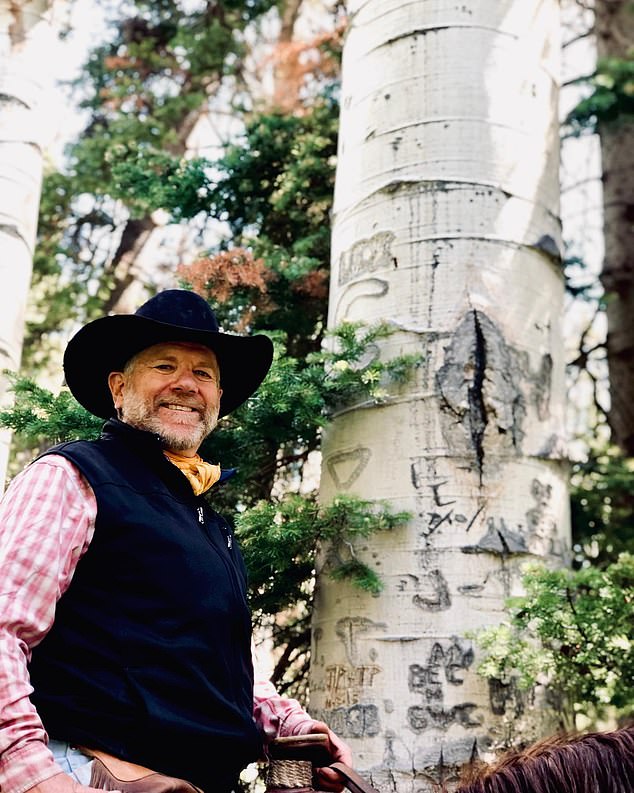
170, 389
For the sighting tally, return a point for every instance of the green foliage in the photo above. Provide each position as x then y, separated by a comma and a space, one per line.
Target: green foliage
574, 630
601, 500
38, 415
274, 189
279, 178
280, 540
611, 100
150, 179
143, 86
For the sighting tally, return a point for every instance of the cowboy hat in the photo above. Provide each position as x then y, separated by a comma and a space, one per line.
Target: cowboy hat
105, 345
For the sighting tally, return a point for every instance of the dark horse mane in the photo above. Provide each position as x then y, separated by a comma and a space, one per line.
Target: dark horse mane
598, 762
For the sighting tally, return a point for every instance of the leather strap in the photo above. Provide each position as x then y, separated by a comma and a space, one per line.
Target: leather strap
111, 773
353, 781
120, 769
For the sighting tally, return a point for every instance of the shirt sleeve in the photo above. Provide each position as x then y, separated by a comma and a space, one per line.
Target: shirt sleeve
276, 716
47, 519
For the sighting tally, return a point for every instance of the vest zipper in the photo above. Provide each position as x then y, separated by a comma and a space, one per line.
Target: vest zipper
228, 537
229, 567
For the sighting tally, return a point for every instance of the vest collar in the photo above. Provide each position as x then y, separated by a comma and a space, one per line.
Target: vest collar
147, 443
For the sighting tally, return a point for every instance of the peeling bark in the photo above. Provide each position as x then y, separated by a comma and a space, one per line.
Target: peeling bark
485, 387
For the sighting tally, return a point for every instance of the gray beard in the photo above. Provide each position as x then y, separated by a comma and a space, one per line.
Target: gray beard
137, 413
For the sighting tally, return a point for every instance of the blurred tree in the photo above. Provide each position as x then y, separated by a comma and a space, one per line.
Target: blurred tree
602, 507
26, 29
608, 109
614, 31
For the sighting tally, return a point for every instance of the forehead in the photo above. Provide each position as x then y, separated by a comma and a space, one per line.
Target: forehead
180, 350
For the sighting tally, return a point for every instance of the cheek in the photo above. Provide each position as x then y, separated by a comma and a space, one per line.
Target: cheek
145, 393
212, 396
151, 387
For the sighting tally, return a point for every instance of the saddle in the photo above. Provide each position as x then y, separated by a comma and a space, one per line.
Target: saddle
110, 773
290, 770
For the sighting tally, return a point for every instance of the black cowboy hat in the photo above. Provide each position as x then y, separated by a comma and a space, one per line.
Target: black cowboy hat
105, 346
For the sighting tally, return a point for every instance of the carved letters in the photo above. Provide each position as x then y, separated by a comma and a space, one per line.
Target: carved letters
441, 511
345, 684
444, 666
359, 721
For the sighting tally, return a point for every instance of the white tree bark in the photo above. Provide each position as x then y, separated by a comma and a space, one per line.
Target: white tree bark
25, 31
446, 224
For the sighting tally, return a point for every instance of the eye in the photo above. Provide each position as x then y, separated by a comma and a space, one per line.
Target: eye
203, 374
163, 367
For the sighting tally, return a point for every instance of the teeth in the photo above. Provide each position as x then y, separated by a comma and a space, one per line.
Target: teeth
180, 407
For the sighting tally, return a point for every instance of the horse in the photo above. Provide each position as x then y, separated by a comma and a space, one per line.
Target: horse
597, 762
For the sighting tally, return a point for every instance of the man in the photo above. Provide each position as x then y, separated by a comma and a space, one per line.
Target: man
124, 627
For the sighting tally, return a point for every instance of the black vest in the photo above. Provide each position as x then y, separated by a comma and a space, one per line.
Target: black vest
149, 654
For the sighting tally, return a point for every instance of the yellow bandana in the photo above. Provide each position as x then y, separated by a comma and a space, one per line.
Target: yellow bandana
201, 475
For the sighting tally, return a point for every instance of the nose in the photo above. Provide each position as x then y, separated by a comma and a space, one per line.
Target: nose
184, 380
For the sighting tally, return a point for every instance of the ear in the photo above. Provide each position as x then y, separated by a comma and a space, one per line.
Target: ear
116, 384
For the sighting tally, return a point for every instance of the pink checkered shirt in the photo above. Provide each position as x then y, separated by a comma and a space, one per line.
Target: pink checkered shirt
47, 520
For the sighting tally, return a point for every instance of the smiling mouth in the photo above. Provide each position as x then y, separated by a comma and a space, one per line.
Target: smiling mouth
180, 408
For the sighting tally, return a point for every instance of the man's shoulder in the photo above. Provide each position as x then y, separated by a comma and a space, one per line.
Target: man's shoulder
67, 450
79, 454
60, 448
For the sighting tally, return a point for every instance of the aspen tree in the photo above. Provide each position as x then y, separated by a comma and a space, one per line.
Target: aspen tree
445, 225
25, 31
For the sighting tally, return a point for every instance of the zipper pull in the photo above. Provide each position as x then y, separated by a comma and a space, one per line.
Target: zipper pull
201, 516
229, 541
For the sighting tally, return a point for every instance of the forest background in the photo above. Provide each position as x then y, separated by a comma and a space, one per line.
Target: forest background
207, 160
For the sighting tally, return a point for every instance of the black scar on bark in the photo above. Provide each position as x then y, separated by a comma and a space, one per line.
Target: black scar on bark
477, 407
483, 384
498, 539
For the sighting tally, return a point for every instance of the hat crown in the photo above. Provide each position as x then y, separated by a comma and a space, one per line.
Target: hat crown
181, 308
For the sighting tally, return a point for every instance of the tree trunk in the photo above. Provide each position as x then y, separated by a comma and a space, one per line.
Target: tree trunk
446, 225
123, 267
25, 30
285, 86
614, 29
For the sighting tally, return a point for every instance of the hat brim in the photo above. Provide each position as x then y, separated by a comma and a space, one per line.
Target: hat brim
105, 345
